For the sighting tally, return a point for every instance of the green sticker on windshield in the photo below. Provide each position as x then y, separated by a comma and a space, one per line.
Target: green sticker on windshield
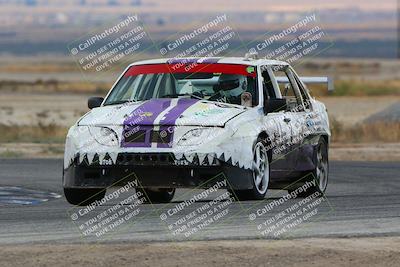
250, 69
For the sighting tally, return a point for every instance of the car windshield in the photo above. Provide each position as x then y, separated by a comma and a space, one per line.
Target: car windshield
229, 83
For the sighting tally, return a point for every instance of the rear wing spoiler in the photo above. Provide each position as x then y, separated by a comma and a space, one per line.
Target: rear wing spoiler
311, 80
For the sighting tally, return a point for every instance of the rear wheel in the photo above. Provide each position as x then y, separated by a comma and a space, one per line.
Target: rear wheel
159, 195
320, 174
261, 174
83, 197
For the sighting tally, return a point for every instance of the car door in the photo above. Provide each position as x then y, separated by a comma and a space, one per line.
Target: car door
305, 128
281, 122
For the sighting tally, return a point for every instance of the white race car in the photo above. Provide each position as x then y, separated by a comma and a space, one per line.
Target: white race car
173, 123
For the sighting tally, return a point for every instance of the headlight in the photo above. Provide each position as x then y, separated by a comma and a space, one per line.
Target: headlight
195, 137
104, 136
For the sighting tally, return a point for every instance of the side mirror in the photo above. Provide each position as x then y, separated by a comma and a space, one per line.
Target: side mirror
94, 102
275, 105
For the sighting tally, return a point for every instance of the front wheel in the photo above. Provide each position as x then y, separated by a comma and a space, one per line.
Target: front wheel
83, 197
261, 174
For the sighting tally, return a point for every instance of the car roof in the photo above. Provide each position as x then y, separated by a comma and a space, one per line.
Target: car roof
213, 60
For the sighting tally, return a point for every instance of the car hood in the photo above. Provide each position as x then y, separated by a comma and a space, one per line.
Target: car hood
182, 112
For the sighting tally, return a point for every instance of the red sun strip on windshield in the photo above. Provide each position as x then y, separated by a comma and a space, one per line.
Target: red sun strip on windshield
244, 70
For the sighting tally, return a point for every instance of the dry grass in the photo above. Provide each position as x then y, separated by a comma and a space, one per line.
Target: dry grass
11, 154
38, 68
51, 86
40, 133
358, 88
51, 133
373, 132
342, 88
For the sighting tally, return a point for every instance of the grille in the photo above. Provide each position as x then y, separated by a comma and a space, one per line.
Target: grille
145, 159
133, 135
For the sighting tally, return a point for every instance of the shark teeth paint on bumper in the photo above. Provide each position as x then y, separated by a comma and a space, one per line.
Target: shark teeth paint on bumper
236, 151
185, 115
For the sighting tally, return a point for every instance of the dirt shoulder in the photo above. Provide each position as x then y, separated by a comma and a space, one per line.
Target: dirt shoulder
305, 252
365, 152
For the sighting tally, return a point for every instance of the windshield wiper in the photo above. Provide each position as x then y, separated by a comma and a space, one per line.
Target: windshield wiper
119, 102
176, 95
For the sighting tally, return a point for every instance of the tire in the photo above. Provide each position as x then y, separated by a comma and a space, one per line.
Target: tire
261, 174
83, 197
160, 195
320, 173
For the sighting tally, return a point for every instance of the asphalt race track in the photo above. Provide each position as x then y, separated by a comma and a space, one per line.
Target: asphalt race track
363, 199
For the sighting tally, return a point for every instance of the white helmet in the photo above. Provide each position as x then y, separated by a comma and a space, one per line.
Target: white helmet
232, 84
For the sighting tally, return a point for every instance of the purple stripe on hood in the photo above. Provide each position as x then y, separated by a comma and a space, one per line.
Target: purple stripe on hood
182, 105
146, 113
142, 120
170, 118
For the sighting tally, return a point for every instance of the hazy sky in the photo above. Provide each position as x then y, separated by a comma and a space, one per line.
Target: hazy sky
172, 6
279, 4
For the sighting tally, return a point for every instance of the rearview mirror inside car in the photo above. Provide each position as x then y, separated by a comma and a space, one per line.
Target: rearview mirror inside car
275, 105
94, 102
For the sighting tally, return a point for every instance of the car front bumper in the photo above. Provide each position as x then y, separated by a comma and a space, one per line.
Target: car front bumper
160, 170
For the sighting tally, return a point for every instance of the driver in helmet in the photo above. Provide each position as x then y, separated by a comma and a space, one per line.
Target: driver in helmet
232, 88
